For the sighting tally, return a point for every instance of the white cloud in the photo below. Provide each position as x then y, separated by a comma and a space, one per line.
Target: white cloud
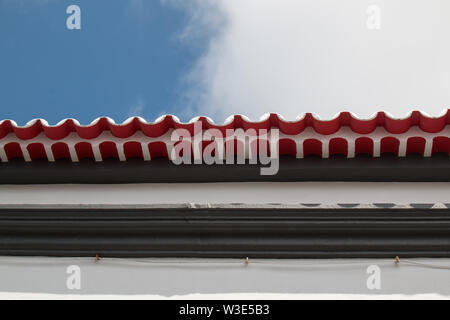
206, 18
295, 56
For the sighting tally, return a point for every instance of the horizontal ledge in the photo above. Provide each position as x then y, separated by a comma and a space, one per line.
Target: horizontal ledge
388, 168
223, 254
226, 233
231, 207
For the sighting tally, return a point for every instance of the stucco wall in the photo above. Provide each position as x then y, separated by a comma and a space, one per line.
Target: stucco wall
181, 277
218, 193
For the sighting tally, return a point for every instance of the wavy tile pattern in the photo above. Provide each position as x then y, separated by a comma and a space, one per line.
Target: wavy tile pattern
345, 134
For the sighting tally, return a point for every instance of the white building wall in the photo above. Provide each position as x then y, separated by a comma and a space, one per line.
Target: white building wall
180, 277
224, 193
169, 278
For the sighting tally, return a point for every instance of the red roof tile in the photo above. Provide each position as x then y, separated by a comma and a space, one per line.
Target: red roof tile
345, 134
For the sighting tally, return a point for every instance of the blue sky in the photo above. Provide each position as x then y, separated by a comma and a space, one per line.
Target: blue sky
222, 57
126, 60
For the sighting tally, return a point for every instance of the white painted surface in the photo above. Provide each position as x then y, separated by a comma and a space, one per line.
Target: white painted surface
230, 296
177, 278
222, 193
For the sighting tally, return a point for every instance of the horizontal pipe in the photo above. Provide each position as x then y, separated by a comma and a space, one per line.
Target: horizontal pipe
225, 232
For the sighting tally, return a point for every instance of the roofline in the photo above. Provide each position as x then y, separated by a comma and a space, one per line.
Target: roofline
362, 168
